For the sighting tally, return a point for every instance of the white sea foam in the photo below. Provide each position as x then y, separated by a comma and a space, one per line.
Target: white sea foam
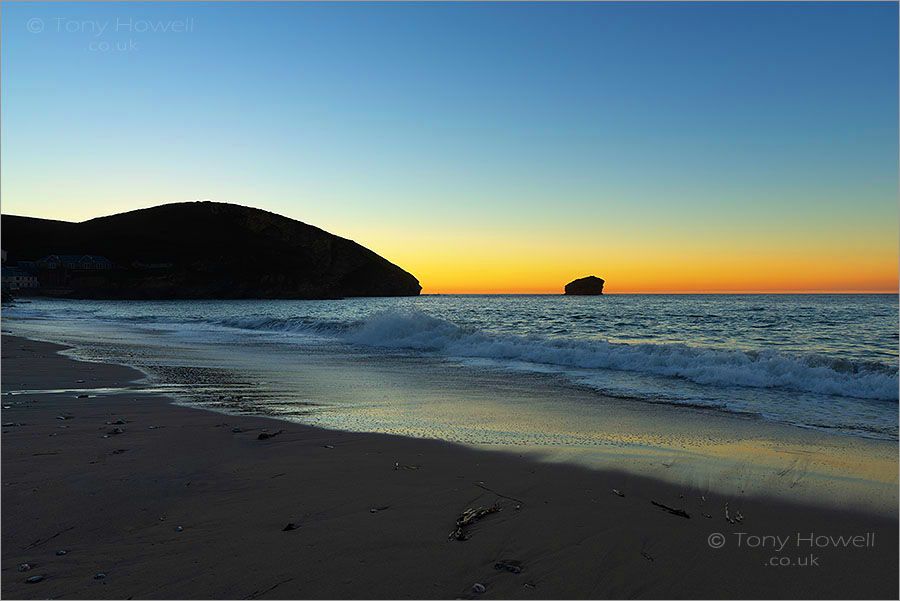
707, 366
829, 363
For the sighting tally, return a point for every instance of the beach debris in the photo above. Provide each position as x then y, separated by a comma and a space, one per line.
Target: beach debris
11, 424
116, 431
99, 576
396, 465
728, 517
155, 427
119, 451
738, 516
478, 588
511, 566
290, 526
481, 485
518, 507
469, 517
377, 509
530, 585
53, 434
63, 416
179, 528
672, 510
265, 435
236, 430
258, 593
24, 567
79, 381
34, 579
61, 552
329, 446
618, 492
646, 556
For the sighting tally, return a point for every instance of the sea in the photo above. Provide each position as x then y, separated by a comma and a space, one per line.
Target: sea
503, 369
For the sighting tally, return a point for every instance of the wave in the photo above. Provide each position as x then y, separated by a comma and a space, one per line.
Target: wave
416, 330
304, 325
757, 369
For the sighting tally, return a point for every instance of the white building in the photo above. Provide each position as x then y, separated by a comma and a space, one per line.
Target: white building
18, 279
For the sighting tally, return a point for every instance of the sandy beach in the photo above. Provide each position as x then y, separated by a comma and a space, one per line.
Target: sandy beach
181, 505
450, 300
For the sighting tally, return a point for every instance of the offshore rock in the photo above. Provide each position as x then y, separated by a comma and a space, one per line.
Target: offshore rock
589, 286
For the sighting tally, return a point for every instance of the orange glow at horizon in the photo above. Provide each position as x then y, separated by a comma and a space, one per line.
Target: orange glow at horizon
474, 264
643, 253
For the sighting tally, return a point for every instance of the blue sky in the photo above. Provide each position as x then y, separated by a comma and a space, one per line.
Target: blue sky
602, 130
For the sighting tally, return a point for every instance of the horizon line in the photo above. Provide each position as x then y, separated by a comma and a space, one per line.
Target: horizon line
663, 292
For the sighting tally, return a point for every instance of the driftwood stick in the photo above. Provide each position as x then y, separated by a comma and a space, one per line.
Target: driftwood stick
256, 594
40, 542
672, 510
498, 494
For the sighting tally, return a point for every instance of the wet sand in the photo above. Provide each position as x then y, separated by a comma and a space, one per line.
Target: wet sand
64, 487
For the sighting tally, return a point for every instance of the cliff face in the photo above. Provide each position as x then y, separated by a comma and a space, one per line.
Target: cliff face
589, 286
208, 250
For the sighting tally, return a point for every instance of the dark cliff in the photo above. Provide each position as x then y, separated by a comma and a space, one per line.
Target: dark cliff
207, 250
589, 286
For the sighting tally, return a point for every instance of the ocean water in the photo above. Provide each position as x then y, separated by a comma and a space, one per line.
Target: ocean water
827, 362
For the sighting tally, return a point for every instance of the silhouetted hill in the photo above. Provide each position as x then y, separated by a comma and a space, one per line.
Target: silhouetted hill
208, 250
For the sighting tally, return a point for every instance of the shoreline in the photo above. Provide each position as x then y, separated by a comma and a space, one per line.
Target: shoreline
684, 445
232, 494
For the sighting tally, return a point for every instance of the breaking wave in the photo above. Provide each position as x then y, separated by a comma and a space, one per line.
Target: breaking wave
813, 373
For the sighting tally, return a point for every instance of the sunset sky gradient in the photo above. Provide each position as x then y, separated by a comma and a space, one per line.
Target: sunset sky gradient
505, 147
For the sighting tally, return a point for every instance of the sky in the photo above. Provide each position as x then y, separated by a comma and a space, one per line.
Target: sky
485, 148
